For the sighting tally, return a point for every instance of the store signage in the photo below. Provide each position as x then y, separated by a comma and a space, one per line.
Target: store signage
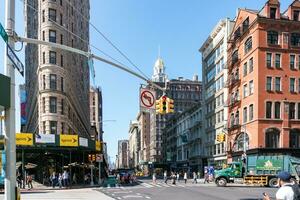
45, 138
83, 142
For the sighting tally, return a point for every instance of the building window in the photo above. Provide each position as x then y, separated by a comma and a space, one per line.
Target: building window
61, 39
245, 90
53, 81
43, 35
61, 60
278, 60
298, 111
277, 110
62, 107
245, 115
251, 87
277, 84
268, 109
246, 24
52, 14
62, 84
272, 37
299, 85
53, 104
52, 36
269, 60
292, 110
44, 82
292, 85
53, 127
295, 39
295, 138
61, 19
43, 105
43, 16
292, 62
272, 138
44, 58
296, 15
242, 142
52, 57
245, 69
248, 45
251, 112
273, 13
251, 65
269, 83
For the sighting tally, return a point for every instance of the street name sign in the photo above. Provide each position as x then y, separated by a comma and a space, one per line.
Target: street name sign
68, 140
147, 99
15, 60
3, 33
24, 139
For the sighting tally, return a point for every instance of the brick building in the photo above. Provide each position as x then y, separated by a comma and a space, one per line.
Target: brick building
264, 81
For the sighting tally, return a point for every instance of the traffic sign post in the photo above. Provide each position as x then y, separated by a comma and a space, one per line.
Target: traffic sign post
3, 33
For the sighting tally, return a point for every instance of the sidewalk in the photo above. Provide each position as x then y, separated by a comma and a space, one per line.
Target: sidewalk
69, 194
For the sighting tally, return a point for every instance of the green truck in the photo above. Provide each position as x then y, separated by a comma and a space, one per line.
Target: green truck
258, 170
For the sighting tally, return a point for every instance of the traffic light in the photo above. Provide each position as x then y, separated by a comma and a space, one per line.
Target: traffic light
158, 106
221, 137
92, 157
170, 105
164, 103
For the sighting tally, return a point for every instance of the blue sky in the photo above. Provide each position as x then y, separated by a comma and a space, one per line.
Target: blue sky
138, 27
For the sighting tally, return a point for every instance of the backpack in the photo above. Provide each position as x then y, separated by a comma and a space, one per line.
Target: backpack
296, 191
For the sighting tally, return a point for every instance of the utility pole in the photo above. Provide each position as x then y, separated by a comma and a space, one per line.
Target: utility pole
10, 129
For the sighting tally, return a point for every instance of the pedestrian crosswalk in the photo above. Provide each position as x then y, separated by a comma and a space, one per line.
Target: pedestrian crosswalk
153, 185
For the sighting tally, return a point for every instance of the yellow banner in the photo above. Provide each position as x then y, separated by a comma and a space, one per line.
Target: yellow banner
98, 145
68, 140
24, 139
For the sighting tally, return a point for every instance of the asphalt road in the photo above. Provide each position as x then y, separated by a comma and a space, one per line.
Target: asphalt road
160, 191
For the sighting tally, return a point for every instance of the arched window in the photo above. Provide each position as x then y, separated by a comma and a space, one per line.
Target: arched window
272, 37
235, 57
295, 39
241, 142
248, 45
272, 138
295, 138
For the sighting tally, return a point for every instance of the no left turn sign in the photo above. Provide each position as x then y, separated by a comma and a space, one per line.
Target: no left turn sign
147, 99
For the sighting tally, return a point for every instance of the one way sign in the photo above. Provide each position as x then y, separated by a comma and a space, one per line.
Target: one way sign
15, 60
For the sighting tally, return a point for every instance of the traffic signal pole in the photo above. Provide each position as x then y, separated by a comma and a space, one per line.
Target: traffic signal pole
10, 129
89, 55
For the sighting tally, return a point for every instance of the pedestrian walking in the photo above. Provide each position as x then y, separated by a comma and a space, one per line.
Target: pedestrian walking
166, 177
154, 178
29, 182
177, 176
53, 179
206, 176
66, 178
173, 176
60, 180
194, 177
287, 190
185, 177
74, 179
